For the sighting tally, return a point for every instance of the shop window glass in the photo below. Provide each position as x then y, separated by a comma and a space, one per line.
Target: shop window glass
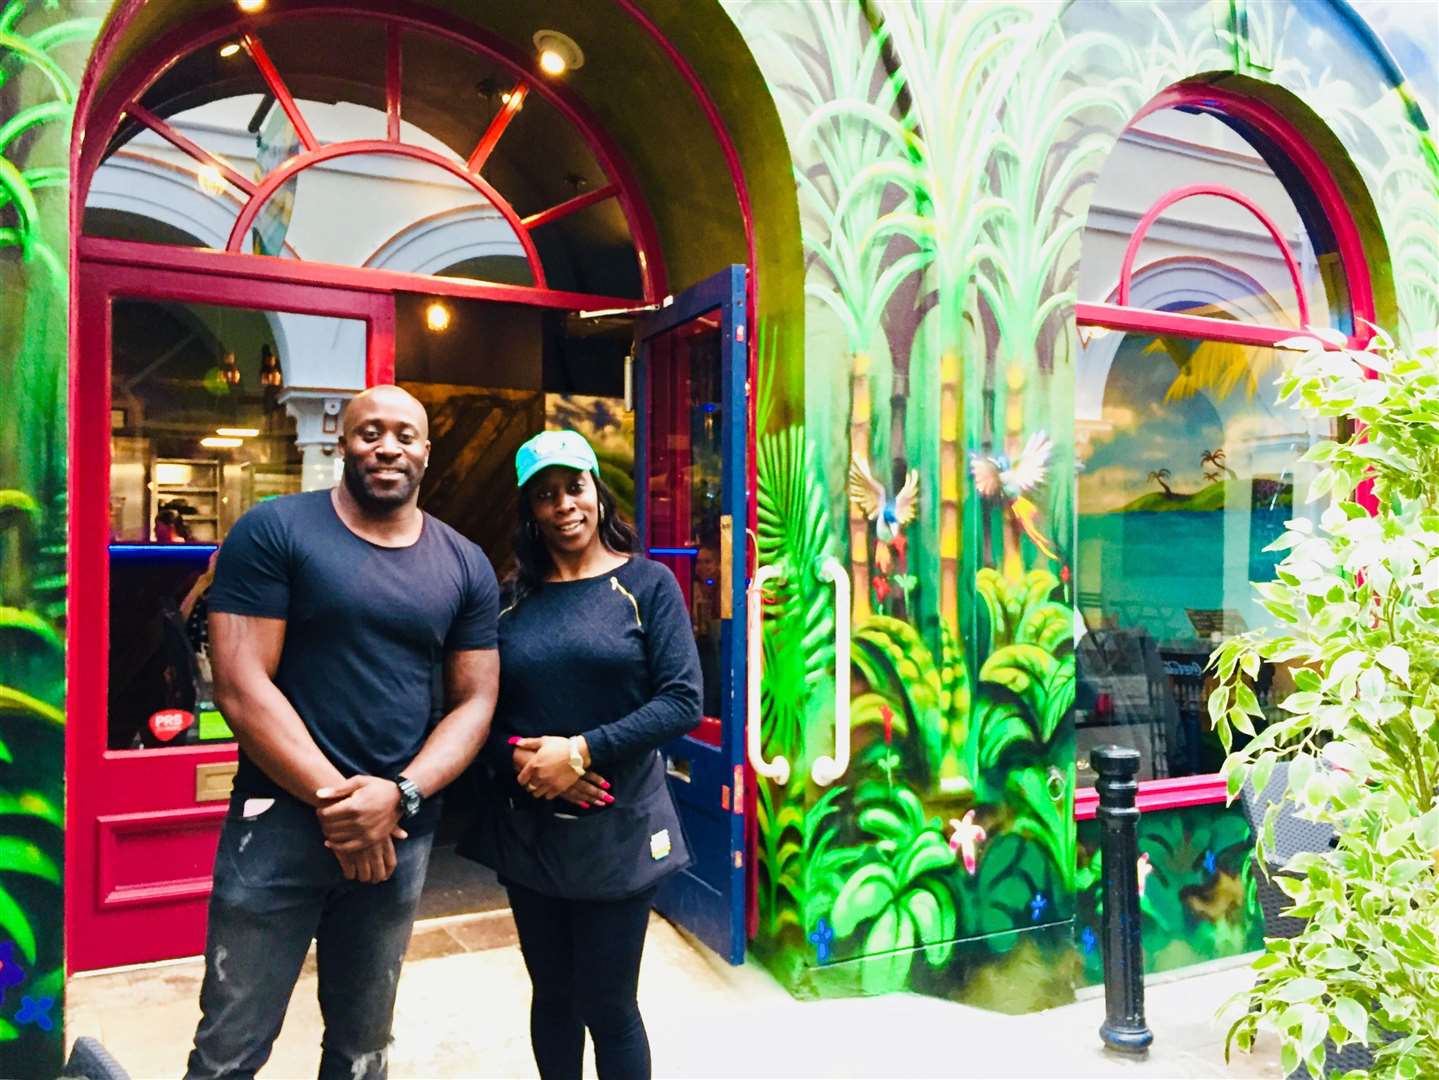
1189, 471
1207, 255
210, 415
416, 217
1189, 465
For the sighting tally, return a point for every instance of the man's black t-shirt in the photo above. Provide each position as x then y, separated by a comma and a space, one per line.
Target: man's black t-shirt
367, 628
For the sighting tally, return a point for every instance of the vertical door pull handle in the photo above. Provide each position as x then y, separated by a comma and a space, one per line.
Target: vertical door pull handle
778, 769
827, 769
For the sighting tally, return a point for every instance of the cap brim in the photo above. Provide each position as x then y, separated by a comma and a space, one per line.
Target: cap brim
569, 461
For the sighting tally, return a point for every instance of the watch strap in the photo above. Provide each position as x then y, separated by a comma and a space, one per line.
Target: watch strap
411, 798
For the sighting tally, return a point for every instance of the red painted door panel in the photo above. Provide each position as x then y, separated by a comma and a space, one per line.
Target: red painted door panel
147, 774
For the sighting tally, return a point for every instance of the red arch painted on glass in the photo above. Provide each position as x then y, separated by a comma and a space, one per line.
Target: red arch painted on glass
300, 162
100, 114
1311, 166
1164, 202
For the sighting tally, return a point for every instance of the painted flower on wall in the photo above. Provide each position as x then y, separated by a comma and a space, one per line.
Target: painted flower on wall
964, 840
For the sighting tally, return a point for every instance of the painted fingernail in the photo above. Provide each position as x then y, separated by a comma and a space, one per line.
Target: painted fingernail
605, 784
514, 740
585, 805
609, 799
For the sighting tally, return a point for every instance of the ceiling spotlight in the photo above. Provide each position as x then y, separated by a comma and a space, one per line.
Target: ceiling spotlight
229, 49
557, 52
210, 179
437, 317
221, 442
237, 432
250, 7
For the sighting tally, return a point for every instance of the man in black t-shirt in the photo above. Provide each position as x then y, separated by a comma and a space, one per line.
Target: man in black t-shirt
330, 615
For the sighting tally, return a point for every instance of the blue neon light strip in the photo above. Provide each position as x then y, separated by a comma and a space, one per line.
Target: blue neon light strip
676, 552
164, 551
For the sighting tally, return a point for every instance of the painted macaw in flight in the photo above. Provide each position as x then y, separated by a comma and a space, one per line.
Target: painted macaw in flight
995, 478
873, 501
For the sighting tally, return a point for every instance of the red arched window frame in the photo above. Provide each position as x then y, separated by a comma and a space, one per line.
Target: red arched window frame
1184, 791
124, 99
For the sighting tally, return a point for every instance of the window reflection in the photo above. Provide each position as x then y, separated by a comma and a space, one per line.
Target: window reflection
1190, 470
211, 413
684, 507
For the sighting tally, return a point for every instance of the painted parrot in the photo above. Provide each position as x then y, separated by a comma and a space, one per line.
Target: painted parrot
872, 500
995, 478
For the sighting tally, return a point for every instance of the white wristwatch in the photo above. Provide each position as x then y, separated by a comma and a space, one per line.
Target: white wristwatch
577, 759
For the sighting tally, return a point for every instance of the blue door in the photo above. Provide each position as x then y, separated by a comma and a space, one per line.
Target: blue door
690, 443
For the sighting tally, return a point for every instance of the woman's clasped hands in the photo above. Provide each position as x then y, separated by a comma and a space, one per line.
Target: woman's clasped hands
544, 769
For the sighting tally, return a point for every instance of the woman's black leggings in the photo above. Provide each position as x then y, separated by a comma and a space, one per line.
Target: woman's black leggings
584, 961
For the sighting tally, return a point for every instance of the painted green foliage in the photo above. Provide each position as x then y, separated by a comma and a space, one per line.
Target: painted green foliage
954, 819
40, 50
1198, 900
944, 154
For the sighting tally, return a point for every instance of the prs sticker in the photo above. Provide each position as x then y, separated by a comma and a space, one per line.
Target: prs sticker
660, 845
167, 723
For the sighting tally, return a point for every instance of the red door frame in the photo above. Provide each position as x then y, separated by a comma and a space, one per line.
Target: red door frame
144, 799
247, 280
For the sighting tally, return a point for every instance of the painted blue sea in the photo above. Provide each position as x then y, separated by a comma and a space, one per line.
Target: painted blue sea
1146, 568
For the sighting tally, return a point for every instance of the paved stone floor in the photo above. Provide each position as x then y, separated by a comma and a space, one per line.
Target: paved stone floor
464, 1001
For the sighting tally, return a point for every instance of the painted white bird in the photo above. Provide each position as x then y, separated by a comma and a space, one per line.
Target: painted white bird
872, 500
996, 478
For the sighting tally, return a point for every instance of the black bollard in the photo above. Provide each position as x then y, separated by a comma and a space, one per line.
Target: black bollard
1124, 1028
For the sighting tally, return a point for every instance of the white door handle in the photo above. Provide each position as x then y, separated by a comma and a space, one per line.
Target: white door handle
826, 769
778, 769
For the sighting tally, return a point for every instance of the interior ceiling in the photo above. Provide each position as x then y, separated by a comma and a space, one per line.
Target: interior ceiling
627, 84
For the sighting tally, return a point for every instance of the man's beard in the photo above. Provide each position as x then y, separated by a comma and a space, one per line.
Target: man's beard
358, 487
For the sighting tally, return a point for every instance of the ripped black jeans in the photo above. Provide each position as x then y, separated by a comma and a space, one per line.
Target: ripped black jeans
277, 888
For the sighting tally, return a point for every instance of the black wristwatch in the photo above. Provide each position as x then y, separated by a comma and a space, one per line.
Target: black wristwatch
410, 797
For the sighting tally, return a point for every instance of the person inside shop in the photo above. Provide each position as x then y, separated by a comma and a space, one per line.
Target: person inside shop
598, 671
170, 524
329, 613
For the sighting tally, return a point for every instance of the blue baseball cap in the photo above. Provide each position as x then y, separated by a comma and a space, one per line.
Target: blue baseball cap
568, 448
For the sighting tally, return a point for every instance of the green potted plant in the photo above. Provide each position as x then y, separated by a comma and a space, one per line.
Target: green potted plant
1356, 609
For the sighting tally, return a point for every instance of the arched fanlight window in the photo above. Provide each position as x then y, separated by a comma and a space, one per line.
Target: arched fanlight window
467, 163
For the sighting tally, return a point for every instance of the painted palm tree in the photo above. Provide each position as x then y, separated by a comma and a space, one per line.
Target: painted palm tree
1162, 478
938, 47
1055, 127
1219, 460
839, 106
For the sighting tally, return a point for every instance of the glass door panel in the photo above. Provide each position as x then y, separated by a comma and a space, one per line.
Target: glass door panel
692, 506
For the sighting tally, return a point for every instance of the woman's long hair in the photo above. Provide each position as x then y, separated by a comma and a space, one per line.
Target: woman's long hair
532, 559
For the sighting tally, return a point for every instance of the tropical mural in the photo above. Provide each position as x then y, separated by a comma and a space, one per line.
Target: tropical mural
944, 159
42, 52
1197, 898
945, 156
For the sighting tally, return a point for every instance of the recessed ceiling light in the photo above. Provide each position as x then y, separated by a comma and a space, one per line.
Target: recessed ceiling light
229, 49
237, 432
557, 52
437, 317
211, 179
249, 7
220, 442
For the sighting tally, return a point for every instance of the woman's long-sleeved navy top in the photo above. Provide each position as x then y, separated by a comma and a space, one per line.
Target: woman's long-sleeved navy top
611, 658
